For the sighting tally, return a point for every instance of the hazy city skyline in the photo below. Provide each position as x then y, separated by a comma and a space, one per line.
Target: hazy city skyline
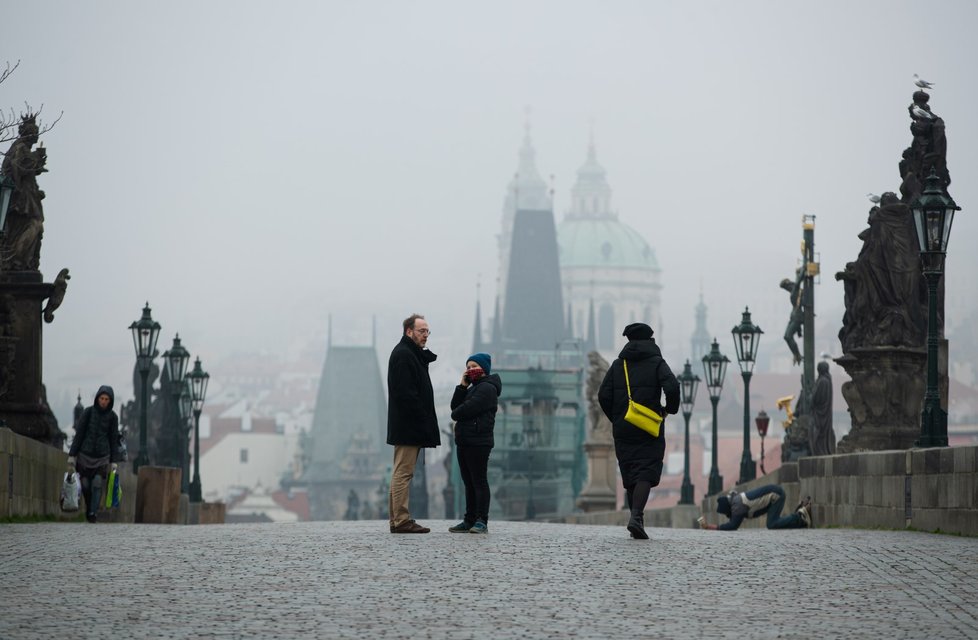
251, 168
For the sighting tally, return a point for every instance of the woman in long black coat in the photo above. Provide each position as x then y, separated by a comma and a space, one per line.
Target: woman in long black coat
639, 453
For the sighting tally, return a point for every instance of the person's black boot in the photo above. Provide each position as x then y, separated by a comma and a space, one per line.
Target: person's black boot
636, 525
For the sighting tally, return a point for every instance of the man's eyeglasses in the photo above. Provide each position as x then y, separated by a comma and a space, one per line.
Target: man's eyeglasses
423, 332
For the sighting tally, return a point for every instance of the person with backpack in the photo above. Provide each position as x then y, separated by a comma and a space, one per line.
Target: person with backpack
754, 503
95, 448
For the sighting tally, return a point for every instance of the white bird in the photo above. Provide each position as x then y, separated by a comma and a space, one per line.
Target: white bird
875, 199
922, 113
920, 82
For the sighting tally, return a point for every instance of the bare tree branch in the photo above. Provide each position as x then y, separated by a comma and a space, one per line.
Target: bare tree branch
9, 120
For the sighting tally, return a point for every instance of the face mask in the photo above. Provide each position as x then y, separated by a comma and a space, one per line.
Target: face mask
475, 374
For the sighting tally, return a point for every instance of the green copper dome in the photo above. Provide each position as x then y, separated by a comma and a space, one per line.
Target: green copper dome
603, 242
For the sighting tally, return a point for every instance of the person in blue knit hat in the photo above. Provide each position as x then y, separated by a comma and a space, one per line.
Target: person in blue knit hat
474, 406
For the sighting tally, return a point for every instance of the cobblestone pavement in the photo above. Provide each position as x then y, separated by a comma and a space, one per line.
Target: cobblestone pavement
356, 580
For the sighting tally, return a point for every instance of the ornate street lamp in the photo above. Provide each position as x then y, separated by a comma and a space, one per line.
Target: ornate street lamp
762, 420
688, 382
6, 190
715, 368
933, 213
198, 380
747, 336
145, 333
175, 360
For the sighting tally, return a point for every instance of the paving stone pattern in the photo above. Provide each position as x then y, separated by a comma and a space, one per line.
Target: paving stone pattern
523, 580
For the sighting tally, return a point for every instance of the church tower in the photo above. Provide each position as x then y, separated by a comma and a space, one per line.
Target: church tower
605, 265
700, 341
526, 190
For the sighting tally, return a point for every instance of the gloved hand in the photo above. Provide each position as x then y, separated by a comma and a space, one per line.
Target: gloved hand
114, 467
71, 462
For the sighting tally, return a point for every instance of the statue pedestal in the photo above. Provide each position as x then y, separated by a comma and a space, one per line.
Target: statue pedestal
599, 493
23, 405
795, 444
885, 397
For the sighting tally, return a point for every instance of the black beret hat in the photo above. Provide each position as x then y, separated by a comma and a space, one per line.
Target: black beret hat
638, 331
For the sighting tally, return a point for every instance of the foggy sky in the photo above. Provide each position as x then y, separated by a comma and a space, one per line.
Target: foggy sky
249, 168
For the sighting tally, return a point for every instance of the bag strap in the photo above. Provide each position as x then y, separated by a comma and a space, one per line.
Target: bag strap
628, 387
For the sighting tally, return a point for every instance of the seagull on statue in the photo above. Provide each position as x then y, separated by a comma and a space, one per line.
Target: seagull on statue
875, 199
920, 82
922, 113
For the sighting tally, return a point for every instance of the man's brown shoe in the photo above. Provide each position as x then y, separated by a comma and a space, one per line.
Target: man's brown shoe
411, 527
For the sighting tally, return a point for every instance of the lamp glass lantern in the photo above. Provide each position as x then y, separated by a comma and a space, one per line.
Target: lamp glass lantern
762, 421
688, 384
176, 360
198, 379
186, 403
145, 333
933, 214
747, 337
715, 368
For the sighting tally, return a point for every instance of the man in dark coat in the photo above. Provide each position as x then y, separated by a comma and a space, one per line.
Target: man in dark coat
411, 420
639, 453
95, 448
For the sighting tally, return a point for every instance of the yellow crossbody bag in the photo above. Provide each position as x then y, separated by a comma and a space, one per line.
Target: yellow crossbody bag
639, 415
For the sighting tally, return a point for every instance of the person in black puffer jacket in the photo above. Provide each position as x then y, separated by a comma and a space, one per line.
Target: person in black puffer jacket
95, 448
474, 406
639, 454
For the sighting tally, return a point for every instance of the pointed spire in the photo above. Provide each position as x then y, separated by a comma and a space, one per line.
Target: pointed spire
497, 328
591, 194
79, 408
700, 340
477, 344
527, 189
592, 341
329, 331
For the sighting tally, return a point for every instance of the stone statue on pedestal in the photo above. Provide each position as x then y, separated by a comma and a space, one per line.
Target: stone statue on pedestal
822, 435
23, 401
884, 328
599, 494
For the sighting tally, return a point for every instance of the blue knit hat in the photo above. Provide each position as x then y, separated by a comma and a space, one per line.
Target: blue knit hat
484, 360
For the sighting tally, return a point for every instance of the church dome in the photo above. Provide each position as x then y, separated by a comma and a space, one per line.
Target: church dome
591, 235
603, 242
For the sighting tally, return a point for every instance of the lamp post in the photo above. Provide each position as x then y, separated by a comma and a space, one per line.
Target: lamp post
145, 333
531, 437
186, 415
175, 360
688, 382
198, 391
6, 190
746, 337
933, 213
715, 368
762, 420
